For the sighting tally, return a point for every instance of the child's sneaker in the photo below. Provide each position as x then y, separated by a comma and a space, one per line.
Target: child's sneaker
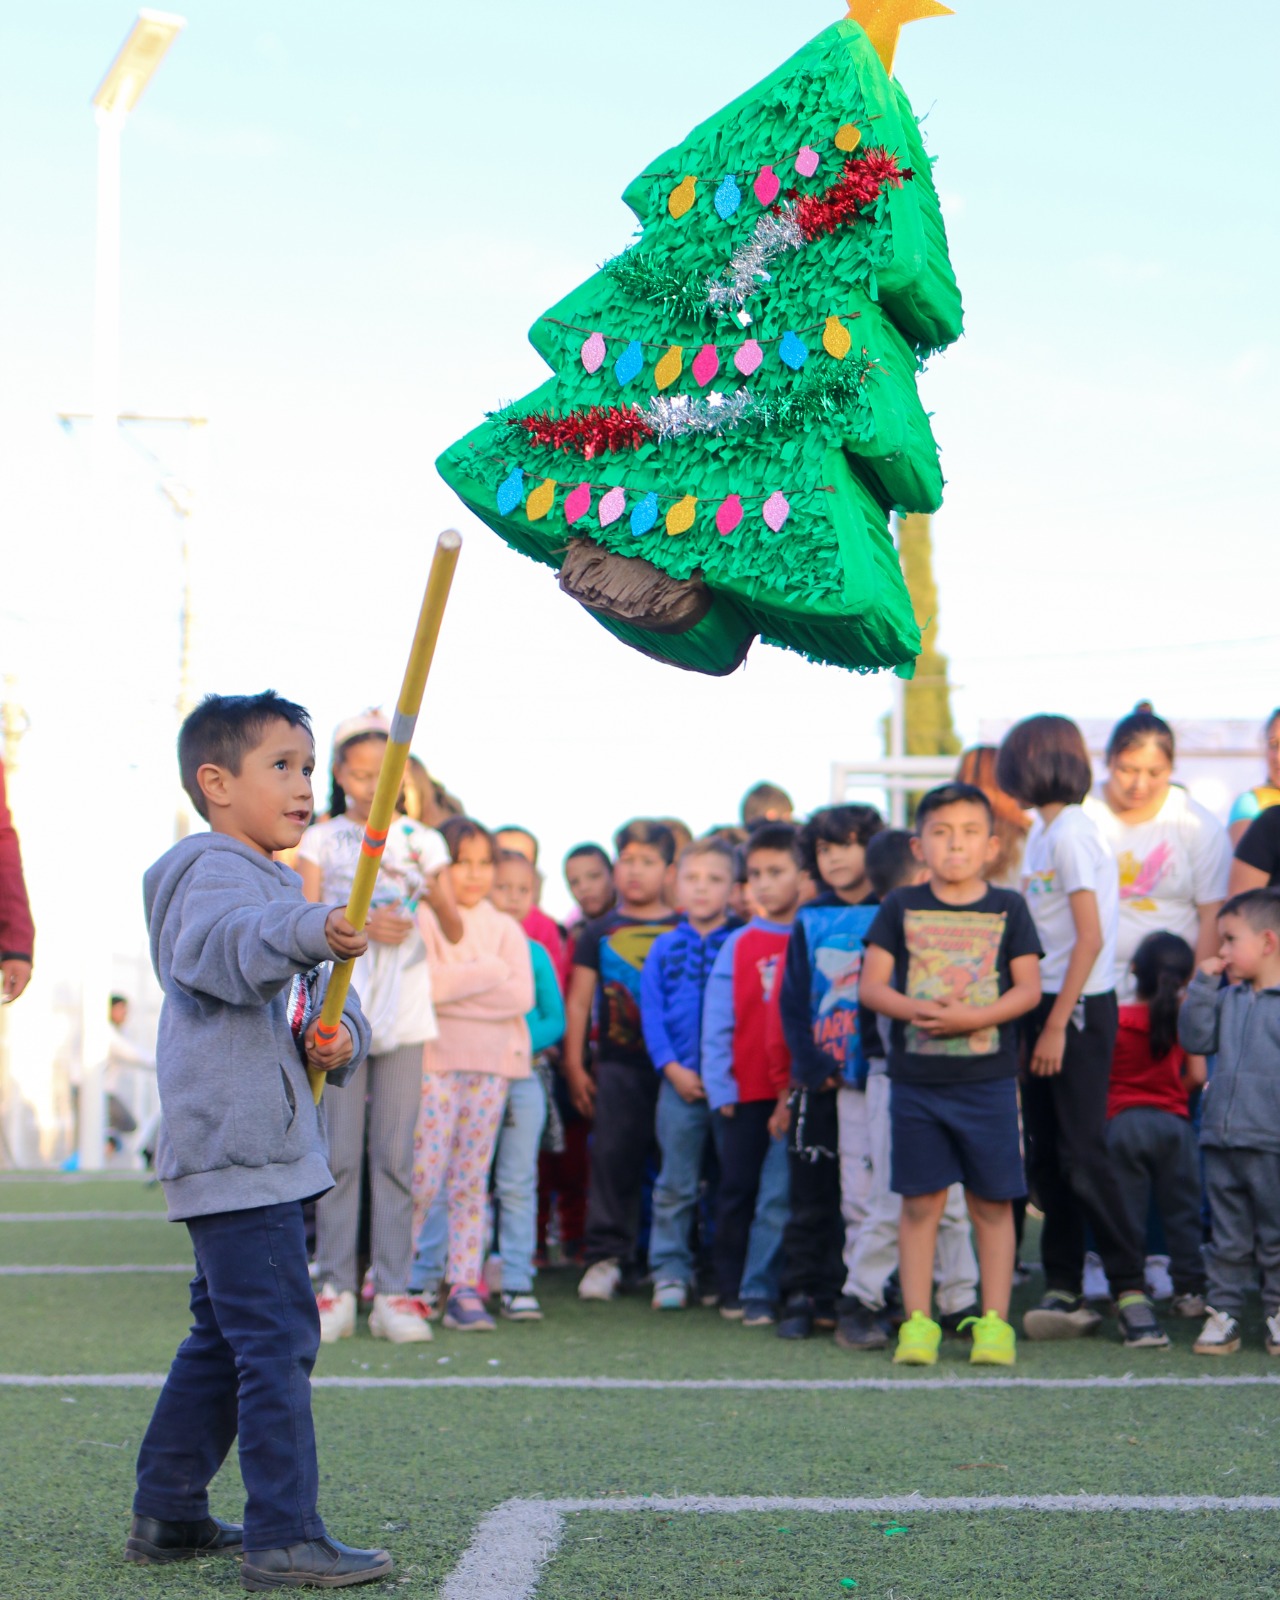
731, 1308
1220, 1335
600, 1281
337, 1314
464, 1312
1273, 1334
520, 1305
953, 1323
759, 1314
796, 1321
1156, 1273
860, 1328
1095, 1283
400, 1318
918, 1341
1139, 1327
994, 1341
1189, 1306
669, 1296
1060, 1316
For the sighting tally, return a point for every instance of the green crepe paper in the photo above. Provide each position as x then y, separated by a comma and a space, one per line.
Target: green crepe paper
828, 585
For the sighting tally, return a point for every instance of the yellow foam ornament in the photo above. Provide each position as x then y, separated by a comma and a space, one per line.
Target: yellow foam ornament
682, 197
680, 517
883, 20
541, 500
670, 367
835, 338
847, 137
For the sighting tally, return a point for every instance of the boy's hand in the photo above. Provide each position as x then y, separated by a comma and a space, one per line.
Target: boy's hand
686, 1083
726, 1111
780, 1121
944, 1019
1046, 1058
329, 1057
1212, 967
582, 1090
386, 925
343, 939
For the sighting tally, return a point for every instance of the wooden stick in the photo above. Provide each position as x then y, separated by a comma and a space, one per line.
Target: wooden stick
390, 779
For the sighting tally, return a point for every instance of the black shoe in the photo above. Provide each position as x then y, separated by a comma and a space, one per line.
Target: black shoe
318, 1564
824, 1313
152, 1542
1060, 1316
858, 1327
758, 1314
731, 1308
1139, 1327
796, 1321
949, 1321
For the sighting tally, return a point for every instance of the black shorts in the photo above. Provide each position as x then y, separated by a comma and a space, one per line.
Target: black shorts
956, 1133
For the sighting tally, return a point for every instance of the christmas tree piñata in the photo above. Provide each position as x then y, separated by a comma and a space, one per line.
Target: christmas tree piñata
734, 412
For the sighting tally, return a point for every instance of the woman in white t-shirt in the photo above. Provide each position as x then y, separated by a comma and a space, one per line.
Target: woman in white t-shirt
1073, 894
393, 981
1173, 856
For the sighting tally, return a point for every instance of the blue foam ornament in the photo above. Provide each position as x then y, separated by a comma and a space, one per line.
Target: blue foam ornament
728, 198
793, 351
644, 516
630, 364
511, 493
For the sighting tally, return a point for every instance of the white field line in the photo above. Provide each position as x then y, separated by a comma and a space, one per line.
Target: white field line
515, 1541
83, 1216
93, 1272
153, 1380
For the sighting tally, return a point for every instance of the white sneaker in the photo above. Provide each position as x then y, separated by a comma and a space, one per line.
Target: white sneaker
520, 1305
600, 1281
1159, 1283
337, 1314
1190, 1306
1220, 1335
1095, 1285
1273, 1334
400, 1318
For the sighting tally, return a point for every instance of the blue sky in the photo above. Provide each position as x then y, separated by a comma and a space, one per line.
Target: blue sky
339, 223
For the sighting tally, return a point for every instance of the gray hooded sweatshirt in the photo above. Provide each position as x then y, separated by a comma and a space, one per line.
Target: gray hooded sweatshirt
1241, 1107
238, 953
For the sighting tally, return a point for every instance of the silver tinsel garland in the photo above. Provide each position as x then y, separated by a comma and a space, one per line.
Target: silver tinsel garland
749, 265
674, 416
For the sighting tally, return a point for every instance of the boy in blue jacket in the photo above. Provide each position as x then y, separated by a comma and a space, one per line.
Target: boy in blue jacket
239, 952
672, 989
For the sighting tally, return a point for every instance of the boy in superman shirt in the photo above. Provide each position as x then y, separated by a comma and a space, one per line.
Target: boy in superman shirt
819, 1012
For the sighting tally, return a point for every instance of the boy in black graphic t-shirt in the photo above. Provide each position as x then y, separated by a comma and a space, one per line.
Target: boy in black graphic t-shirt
954, 963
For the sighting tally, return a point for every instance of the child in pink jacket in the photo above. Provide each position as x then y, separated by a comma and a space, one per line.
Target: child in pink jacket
482, 987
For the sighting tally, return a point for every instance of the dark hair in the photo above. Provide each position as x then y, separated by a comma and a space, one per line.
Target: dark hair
837, 825
1140, 725
116, 1000
1271, 720
589, 850
519, 827
222, 730
978, 767
1161, 965
953, 794
730, 833
1260, 908
762, 798
891, 862
710, 847
784, 836
457, 830
1043, 762
514, 855
681, 832
337, 794
642, 830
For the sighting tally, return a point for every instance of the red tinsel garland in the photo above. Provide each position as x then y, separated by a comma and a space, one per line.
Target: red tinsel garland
589, 432
859, 184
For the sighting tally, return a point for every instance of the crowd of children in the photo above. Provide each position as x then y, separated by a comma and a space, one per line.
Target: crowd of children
809, 1072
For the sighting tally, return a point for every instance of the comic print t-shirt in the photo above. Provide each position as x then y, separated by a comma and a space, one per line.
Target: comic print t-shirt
946, 952
615, 946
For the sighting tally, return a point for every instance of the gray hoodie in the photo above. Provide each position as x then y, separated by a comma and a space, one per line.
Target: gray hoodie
1241, 1108
238, 953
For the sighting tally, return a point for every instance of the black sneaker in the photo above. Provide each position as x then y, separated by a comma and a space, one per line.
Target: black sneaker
758, 1314
824, 1313
949, 1321
1139, 1327
858, 1327
796, 1321
1060, 1316
155, 1543
731, 1308
317, 1564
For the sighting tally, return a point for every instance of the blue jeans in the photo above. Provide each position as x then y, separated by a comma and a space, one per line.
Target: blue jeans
244, 1369
682, 1136
515, 1182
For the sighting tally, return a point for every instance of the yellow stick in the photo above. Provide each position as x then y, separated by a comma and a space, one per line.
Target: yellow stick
390, 778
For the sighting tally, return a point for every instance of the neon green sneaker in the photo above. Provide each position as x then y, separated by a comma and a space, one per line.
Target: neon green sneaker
994, 1342
918, 1341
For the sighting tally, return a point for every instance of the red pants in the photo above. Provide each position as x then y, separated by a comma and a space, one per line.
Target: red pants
563, 1177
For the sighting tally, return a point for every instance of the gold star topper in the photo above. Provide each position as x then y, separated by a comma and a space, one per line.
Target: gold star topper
883, 20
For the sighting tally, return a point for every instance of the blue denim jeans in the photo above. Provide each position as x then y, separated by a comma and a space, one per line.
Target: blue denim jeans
515, 1183
682, 1135
244, 1369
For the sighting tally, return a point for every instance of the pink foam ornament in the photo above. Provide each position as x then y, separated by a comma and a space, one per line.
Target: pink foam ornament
748, 358
767, 185
577, 503
729, 515
593, 353
807, 162
706, 364
776, 510
612, 505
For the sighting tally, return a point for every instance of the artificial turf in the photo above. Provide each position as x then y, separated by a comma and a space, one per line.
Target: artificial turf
416, 1469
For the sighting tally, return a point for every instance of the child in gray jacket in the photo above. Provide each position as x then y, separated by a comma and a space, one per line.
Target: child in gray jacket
240, 955
1240, 1122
